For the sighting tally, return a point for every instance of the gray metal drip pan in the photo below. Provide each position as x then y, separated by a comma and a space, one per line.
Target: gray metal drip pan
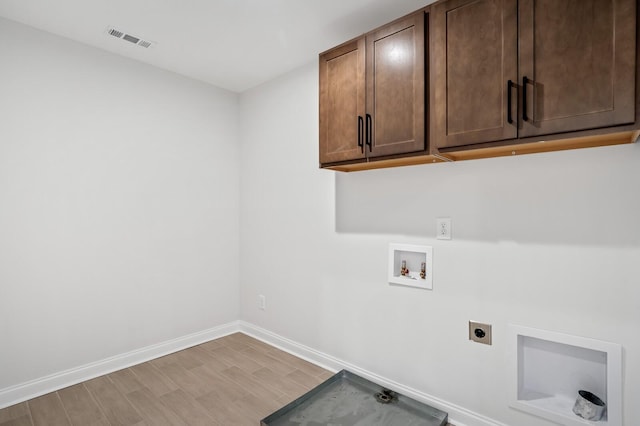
349, 400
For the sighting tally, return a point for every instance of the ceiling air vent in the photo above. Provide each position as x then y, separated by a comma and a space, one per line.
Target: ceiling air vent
130, 38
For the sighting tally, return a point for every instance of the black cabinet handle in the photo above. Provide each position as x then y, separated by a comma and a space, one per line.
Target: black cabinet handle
525, 81
369, 131
509, 117
360, 131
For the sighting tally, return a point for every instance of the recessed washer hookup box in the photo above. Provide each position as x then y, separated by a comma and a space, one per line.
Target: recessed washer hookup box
347, 399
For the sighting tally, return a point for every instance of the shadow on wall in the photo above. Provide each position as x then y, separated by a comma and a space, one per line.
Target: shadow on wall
581, 197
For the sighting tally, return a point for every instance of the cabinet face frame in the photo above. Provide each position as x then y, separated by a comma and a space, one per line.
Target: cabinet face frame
520, 60
395, 58
622, 70
452, 86
338, 141
342, 70
519, 137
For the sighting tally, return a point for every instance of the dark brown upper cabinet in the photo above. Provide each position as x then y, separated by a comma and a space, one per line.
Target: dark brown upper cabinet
372, 94
342, 103
505, 69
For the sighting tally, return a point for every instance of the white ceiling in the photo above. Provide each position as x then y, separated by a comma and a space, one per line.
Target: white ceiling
233, 44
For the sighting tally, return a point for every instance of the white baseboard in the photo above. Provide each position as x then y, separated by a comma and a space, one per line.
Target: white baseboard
24, 391
457, 415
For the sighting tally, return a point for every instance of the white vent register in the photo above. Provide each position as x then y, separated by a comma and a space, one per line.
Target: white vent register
130, 38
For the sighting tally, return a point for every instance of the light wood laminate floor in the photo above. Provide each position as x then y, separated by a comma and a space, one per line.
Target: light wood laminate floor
232, 381
235, 380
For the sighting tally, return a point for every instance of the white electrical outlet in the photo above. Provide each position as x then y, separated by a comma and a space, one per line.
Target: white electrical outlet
262, 302
443, 228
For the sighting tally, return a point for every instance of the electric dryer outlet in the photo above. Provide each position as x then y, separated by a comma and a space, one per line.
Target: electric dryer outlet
479, 332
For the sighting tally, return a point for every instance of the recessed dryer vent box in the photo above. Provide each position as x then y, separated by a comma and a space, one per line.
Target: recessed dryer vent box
548, 369
411, 265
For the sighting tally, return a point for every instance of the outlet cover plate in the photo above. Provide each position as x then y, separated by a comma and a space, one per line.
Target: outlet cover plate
479, 332
443, 228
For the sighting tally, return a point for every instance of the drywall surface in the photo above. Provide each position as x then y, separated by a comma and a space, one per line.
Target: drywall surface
118, 205
549, 241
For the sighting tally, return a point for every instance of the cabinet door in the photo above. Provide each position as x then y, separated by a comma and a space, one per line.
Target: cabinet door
342, 103
474, 56
579, 58
396, 88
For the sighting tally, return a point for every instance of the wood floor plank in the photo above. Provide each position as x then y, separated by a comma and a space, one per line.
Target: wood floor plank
81, 408
47, 410
213, 344
250, 383
248, 341
215, 364
220, 407
280, 383
186, 380
304, 379
233, 381
14, 412
236, 358
285, 399
236, 342
256, 407
114, 405
196, 357
256, 344
126, 381
18, 421
188, 358
326, 375
269, 361
153, 379
297, 363
188, 409
152, 410
165, 360
230, 388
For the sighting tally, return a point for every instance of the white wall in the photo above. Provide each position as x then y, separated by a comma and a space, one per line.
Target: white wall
550, 241
118, 205
119, 229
